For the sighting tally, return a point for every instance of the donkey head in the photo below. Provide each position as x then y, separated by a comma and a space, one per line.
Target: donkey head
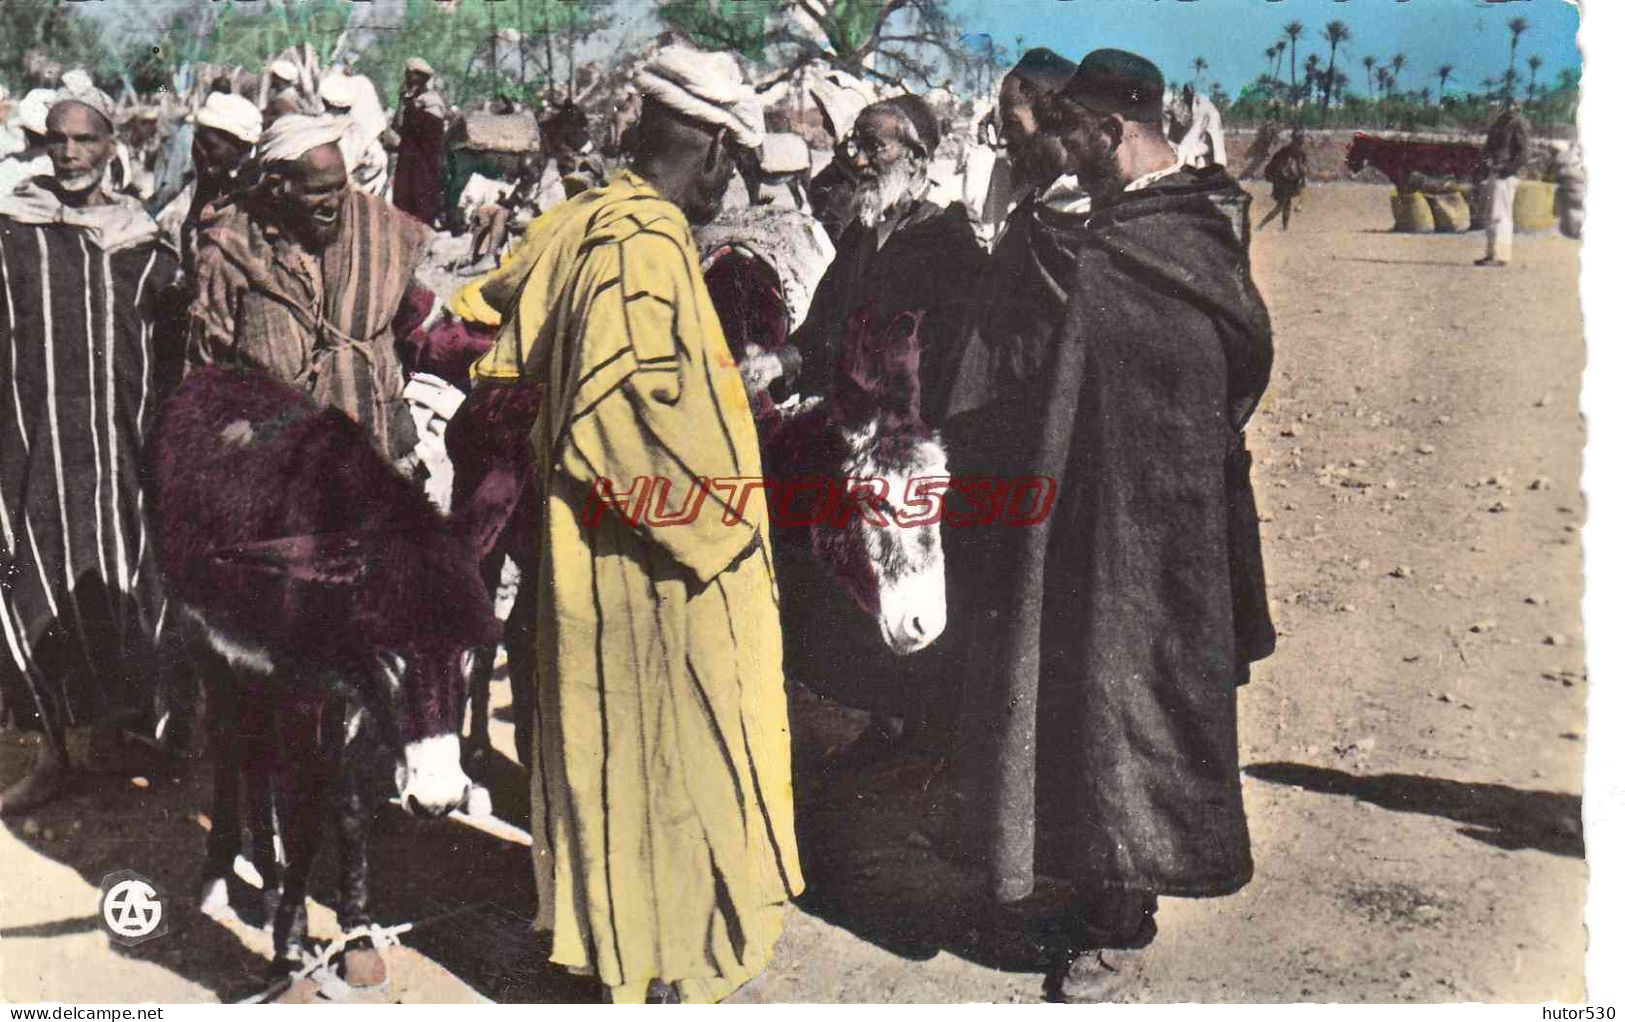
892, 568
426, 693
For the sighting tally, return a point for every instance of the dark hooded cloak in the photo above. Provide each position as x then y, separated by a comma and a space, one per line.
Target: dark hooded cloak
1100, 729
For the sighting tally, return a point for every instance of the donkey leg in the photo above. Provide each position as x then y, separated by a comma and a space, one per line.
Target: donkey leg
478, 747
299, 816
519, 635
362, 963
225, 826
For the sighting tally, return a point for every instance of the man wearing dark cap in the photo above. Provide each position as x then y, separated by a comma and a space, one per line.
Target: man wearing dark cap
1108, 696
902, 254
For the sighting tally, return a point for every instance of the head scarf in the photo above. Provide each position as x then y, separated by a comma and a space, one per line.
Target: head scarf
707, 87
231, 114
78, 88
33, 109
336, 90
417, 65
841, 97
293, 135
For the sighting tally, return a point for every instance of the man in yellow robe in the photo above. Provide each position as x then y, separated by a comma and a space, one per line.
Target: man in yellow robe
665, 843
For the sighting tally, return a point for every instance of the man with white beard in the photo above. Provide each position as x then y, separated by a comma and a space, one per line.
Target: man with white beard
901, 254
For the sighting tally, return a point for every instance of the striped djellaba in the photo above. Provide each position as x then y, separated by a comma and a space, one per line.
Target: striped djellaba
82, 360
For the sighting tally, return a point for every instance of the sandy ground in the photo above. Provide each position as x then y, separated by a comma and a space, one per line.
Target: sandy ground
1413, 753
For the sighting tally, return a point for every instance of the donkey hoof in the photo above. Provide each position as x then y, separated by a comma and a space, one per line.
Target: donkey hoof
214, 901
364, 967
303, 990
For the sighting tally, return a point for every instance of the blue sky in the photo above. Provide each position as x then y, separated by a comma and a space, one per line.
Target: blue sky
1233, 34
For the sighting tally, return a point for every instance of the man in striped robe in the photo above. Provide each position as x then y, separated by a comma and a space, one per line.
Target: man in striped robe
665, 846
84, 277
304, 276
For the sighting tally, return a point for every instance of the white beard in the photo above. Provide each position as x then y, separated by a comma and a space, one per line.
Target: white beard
878, 199
83, 182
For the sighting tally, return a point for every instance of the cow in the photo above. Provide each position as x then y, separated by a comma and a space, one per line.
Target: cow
1400, 159
333, 608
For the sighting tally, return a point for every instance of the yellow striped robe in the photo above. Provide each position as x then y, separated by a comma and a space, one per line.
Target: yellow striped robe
665, 841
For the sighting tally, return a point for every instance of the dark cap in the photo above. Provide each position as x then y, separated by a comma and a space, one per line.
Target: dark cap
1044, 69
919, 113
1117, 82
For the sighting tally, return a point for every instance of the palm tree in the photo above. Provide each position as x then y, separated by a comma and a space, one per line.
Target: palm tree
1293, 30
1280, 52
1199, 65
1444, 73
1516, 26
1340, 86
1370, 62
1336, 33
1535, 64
1398, 65
1311, 77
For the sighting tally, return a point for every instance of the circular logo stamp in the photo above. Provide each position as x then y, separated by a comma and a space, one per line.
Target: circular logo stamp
132, 908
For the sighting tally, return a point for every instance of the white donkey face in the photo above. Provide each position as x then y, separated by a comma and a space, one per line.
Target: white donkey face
906, 560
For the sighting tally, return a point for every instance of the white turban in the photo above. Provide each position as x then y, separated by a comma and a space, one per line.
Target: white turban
286, 70
77, 87
33, 108
338, 90
417, 65
293, 135
842, 97
232, 114
707, 87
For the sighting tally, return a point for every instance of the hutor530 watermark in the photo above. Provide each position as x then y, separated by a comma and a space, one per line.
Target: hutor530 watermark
957, 501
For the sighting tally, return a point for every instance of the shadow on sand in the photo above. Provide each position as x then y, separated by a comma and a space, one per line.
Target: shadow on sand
471, 894
1509, 818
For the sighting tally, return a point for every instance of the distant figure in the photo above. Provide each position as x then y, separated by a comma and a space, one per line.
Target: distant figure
27, 127
1201, 140
285, 95
1505, 151
346, 97
420, 121
1287, 173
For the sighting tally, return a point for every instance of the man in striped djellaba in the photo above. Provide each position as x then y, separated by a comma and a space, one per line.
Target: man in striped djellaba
84, 282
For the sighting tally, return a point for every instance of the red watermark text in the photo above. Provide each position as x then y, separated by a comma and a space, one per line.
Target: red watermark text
806, 501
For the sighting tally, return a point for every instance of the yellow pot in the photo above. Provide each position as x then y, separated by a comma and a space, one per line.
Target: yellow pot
1412, 213
1534, 207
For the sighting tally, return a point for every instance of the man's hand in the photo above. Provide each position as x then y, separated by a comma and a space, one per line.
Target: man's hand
760, 369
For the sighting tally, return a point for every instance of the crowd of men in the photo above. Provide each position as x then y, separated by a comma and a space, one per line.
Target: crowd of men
1111, 340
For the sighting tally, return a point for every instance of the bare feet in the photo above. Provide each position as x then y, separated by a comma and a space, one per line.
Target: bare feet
43, 782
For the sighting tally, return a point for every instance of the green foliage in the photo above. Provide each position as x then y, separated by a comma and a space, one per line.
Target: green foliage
740, 26
56, 30
851, 23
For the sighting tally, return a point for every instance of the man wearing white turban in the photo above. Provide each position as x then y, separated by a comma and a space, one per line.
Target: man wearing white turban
86, 277
302, 277
225, 130
285, 95
346, 97
28, 125
665, 846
